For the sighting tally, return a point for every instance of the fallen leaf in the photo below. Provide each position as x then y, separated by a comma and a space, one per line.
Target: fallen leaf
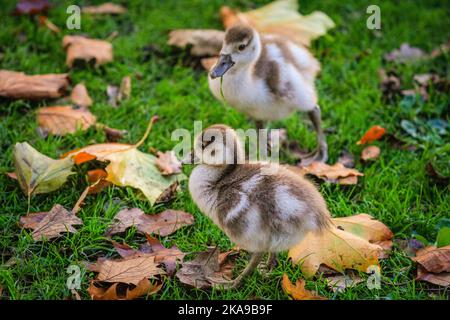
130, 167
405, 53
131, 270
169, 194
337, 249
124, 89
443, 237
167, 257
61, 120
18, 85
113, 135
338, 283
38, 173
371, 135
85, 49
390, 84
281, 17
432, 259
439, 279
336, 173
12, 175
104, 8
163, 224
370, 153
44, 21
298, 291
121, 291
80, 96
97, 180
207, 269
168, 163
49, 225
364, 226
30, 7
204, 42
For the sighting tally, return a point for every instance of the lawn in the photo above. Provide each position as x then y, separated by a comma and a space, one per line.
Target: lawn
395, 189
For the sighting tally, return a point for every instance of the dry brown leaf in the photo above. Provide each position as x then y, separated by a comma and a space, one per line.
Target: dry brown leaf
371, 135
18, 85
80, 96
364, 226
370, 153
96, 179
104, 8
38, 173
167, 257
124, 89
49, 225
209, 268
85, 49
130, 271
336, 173
30, 7
406, 53
204, 42
121, 291
61, 120
44, 21
281, 17
168, 163
113, 135
112, 93
163, 224
435, 260
298, 291
439, 279
390, 84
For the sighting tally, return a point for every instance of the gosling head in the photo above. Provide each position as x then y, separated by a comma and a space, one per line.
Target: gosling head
217, 145
241, 46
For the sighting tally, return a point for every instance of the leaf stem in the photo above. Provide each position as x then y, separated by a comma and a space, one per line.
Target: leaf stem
147, 132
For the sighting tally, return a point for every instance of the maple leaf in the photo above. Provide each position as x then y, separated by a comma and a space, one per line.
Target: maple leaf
128, 166
434, 265
298, 291
38, 173
355, 243
281, 17
209, 268
18, 85
50, 224
163, 224
120, 291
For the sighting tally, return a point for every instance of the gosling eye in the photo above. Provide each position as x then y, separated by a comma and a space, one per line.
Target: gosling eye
241, 47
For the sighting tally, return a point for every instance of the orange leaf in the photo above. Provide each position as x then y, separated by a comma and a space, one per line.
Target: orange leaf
374, 133
83, 157
298, 291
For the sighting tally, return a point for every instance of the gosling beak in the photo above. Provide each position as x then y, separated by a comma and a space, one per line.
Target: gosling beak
190, 158
222, 66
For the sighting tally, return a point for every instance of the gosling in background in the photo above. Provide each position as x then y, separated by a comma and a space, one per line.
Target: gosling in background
268, 78
260, 210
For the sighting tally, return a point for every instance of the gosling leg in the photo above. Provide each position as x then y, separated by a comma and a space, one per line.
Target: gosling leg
321, 153
252, 264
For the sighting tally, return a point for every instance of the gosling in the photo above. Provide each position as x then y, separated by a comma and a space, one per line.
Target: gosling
268, 77
263, 208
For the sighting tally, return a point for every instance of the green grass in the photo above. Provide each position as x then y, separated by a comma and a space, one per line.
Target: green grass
395, 189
